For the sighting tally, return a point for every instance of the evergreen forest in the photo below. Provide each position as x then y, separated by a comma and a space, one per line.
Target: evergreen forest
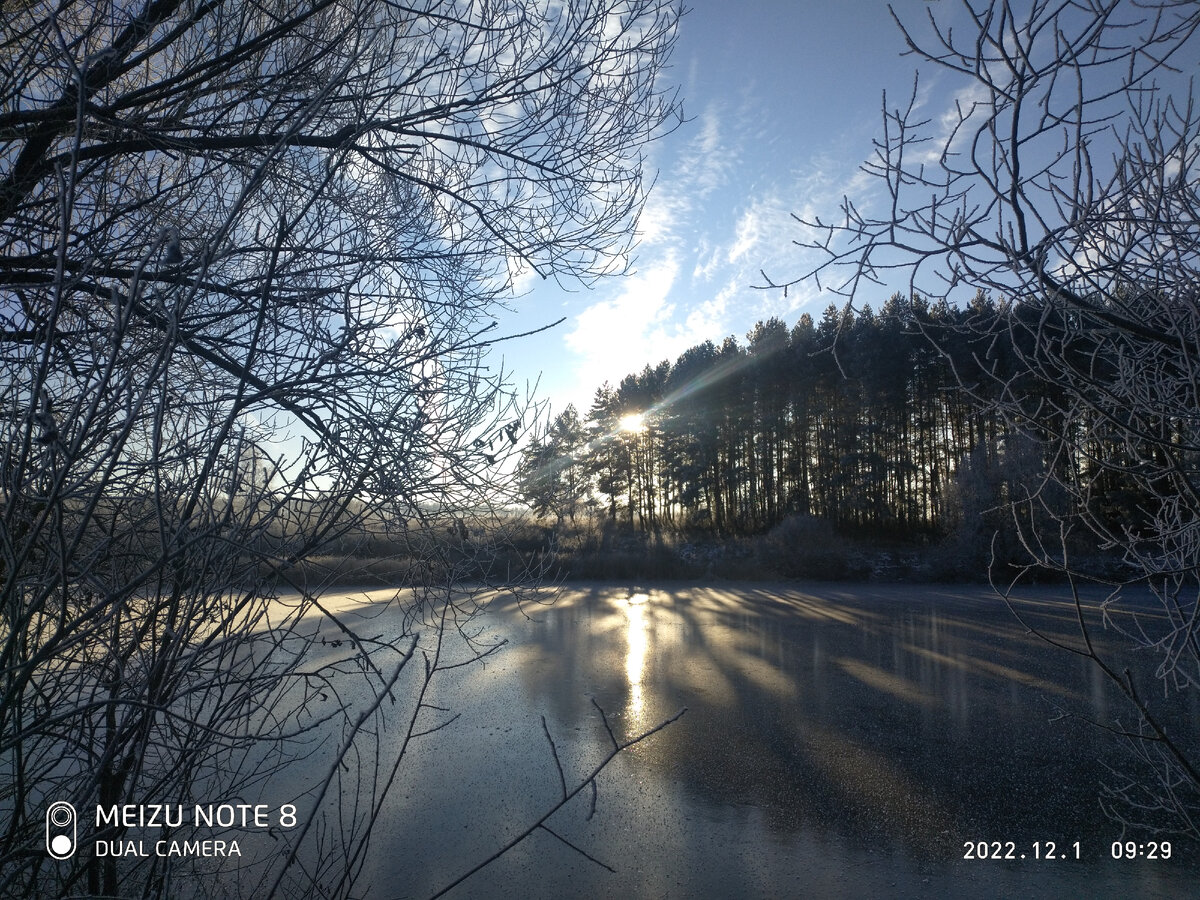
882, 426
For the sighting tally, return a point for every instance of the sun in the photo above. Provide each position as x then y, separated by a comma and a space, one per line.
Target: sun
633, 423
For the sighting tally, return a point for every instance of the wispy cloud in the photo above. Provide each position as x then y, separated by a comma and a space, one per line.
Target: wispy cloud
708, 161
748, 233
764, 239
708, 260
961, 116
660, 218
704, 165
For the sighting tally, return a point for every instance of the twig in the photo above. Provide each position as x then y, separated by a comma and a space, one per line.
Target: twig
590, 779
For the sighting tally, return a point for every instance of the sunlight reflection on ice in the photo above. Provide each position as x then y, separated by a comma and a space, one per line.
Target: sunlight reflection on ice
635, 656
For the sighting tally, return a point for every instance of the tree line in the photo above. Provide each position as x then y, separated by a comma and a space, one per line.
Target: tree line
857, 419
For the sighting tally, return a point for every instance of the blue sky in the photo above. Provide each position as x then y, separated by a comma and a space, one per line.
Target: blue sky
783, 100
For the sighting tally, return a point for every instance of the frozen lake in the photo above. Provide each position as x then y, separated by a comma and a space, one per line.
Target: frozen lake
840, 741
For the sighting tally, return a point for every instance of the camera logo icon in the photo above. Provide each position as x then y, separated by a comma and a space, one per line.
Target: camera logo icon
60, 830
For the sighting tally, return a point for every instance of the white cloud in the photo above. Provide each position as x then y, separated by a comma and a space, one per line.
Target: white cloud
708, 260
764, 235
747, 234
659, 218
617, 336
523, 277
956, 125
707, 163
707, 320
638, 327
704, 165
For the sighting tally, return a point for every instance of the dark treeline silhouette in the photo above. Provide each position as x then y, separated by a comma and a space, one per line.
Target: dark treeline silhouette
860, 420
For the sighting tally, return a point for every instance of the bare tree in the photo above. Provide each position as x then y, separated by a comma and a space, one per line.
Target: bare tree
1065, 183
251, 253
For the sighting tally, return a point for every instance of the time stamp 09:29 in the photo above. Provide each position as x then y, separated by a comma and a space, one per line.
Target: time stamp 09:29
1050, 850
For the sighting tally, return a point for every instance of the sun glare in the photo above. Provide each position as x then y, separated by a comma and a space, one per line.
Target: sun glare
633, 422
